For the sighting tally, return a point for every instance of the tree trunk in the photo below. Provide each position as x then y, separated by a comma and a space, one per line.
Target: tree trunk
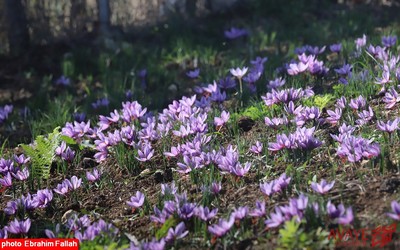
104, 16
18, 35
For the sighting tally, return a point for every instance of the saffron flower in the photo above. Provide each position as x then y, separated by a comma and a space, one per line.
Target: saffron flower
75, 182
42, 198
216, 187
276, 83
145, 153
389, 41
93, 176
336, 47
361, 42
257, 148
240, 171
238, 72
178, 233
168, 189
296, 68
240, 212
19, 227
358, 103
396, 211
137, 200
220, 121
391, 98
193, 73
334, 116
204, 213
323, 187
63, 81
6, 181
259, 210
222, 227
62, 188
340, 214
389, 127
234, 33
275, 219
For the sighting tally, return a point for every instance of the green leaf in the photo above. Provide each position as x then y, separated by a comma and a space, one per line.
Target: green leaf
68, 140
162, 232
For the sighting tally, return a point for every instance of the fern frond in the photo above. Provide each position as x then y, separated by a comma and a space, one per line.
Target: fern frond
42, 153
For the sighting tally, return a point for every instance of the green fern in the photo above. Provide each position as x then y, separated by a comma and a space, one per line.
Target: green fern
42, 153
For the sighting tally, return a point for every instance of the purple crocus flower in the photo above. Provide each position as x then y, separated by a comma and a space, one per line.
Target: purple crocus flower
60, 149
345, 70
276, 83
6, 181
216, 187
75, 182
63, 81
275, 186
6, 165
19, 227
145, 153
79, 117
389, 127
347, 217
168, 189
396, 211
68, 155
234, 33
336, 47
137, 200
186, 210
12, 207
333, 211
257, 148
204, 213
240, 171
389, 41
222, 227
323, 187
103, 102
193, 74
154, 244
93, 176
238, 72
275, 219
220, 121
226, 83
341, 103
275, 122
3, 233
334, 116
178, 233
358, 103
259, 210
42, 198
361, 42
159, 217
62, 188
21, 159
240, 212
50, 234
267, 188
296, 68
384, 79
391, 98
128, 95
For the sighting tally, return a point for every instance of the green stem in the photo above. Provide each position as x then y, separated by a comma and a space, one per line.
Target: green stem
241, 92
